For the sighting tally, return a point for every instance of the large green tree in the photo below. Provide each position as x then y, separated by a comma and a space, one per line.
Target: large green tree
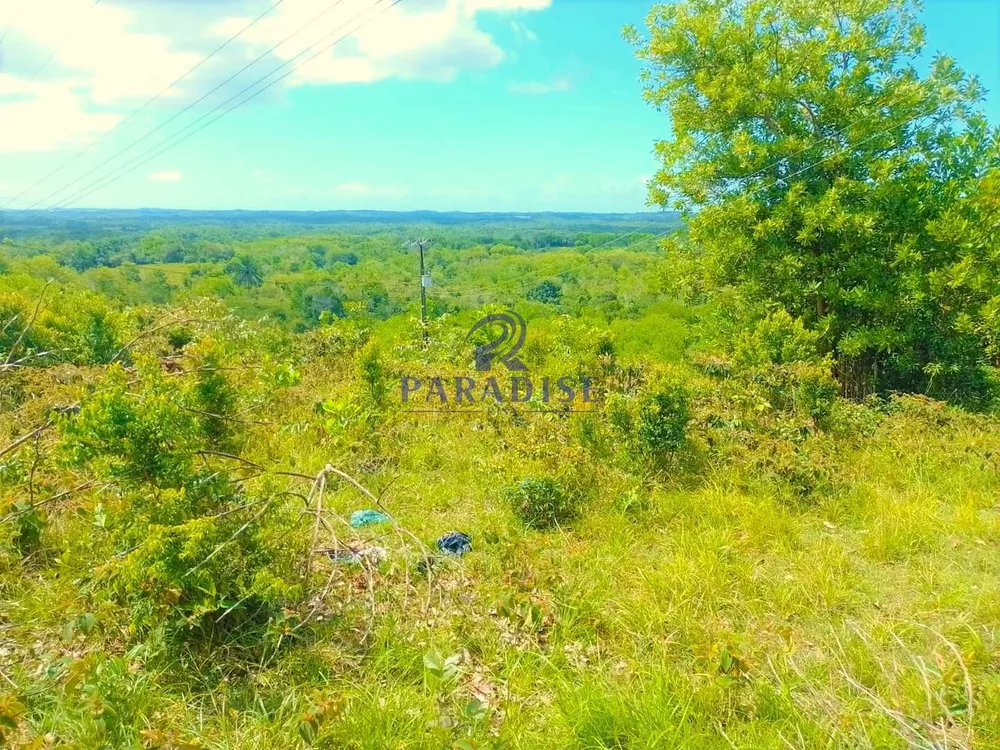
821, 172
245, 271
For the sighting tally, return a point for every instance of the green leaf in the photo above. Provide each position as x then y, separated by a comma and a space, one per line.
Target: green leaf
86, 622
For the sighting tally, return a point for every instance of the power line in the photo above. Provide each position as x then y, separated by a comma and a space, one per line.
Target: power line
59, 46
13, 20
11, 200
143, 107
151, 154
183, 134
846, 149
187, 108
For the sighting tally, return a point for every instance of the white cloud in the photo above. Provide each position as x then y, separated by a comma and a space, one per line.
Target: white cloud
364, 190
474, 6
95, 47
537, 88
103, 60
169, 175
42, 116
430, 41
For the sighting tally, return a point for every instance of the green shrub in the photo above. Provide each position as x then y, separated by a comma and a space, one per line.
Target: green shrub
653, 422
214, 396
100, 340
547, 292
815, 390
800, 468
373, 375
543, 502
663, 418
196, 555
779, 358
207, 576
180, 337
148, 439
778, 339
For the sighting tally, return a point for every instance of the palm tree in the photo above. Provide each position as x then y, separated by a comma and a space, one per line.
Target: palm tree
245, 272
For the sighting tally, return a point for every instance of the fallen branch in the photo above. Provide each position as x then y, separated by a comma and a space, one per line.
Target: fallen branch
38, 355
330, 469
318, 488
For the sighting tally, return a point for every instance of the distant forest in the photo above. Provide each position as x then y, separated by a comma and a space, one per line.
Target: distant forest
538, 230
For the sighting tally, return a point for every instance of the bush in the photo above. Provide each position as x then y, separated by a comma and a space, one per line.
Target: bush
663, 419
543, 502
778, 339
197, 555
100, 340
547, 292
779, 354
373, 375
653, 422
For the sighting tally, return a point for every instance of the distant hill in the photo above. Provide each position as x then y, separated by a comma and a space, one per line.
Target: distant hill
86, 223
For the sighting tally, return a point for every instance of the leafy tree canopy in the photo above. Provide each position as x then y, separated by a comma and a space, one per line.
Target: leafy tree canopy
548, 292
822, 173
245, 271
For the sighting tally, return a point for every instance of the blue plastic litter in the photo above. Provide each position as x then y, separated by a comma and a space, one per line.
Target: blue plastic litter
368, 517
455, 543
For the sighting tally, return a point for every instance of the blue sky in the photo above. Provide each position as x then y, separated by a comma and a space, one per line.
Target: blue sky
469, 105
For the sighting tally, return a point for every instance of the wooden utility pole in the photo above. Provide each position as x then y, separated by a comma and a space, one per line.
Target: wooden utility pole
425, 281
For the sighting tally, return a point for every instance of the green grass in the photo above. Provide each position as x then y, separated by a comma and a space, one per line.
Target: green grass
701, 600
708, 615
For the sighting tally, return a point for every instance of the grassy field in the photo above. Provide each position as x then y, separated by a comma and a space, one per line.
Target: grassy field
776, 580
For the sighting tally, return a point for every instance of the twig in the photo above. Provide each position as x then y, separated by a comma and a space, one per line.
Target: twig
9, 323
24, 331
233, 457
38, 355
329, 469
318, 600
378, 503
46, 501
134, 381
961, 663
225, 418
34, 467
25, 438
318, 488
239, 531
238, 508
150, 331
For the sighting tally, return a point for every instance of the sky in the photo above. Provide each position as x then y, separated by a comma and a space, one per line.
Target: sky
450, 105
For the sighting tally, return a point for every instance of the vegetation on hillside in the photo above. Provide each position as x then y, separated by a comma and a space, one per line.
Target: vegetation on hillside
776, 527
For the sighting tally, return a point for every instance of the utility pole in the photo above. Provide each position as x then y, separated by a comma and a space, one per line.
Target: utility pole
425, 281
